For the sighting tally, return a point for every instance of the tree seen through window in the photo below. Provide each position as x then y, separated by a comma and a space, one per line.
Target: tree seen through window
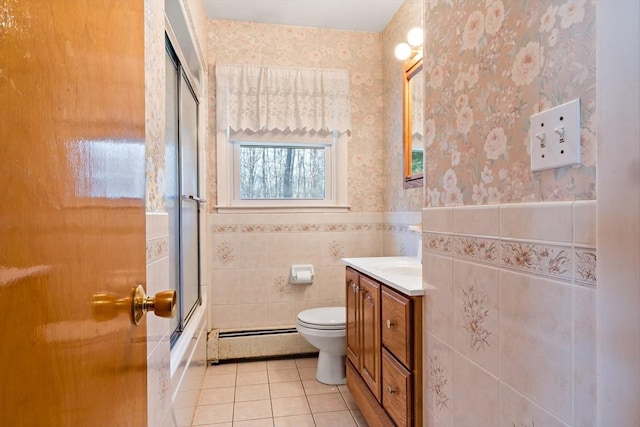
282, 172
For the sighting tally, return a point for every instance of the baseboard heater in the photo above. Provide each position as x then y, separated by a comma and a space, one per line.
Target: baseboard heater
255, 343
255, 332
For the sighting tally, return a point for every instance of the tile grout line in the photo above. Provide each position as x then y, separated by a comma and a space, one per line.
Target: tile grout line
269, 383
306, 397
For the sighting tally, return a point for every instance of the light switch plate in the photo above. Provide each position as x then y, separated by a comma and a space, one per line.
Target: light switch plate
555, 137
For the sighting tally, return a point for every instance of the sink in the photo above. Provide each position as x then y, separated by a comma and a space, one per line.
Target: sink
401, 273
399, 268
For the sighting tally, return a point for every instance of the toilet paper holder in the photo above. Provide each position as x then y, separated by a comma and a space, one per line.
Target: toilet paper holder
301, 274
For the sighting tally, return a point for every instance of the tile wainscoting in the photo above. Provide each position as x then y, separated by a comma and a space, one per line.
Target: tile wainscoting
158, 335
399, 239
174, 376
511, 330
251, 255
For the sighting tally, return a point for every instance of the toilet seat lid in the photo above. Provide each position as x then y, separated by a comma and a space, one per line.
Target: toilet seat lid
324, 317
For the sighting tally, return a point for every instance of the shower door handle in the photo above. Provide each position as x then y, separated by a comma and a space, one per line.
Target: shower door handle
194, 198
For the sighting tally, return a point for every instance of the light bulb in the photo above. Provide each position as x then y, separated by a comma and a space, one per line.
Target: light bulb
403, 51
415, 37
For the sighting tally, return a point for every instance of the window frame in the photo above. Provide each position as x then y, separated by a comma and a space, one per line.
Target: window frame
336, 181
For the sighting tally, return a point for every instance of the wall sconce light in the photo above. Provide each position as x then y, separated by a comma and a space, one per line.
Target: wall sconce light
414, 39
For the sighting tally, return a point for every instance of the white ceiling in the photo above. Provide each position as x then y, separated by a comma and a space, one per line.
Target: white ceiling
357, 15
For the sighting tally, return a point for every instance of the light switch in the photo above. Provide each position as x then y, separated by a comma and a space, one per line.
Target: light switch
555, 137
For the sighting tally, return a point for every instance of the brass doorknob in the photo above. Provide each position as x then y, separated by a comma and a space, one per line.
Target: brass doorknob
107, 306
162, 305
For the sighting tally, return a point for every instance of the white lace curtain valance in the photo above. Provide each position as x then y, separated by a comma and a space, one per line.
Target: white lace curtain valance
258, 99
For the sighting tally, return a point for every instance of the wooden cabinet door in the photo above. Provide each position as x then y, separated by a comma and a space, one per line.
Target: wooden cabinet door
353, 317
72, 213
370, 322
397, 328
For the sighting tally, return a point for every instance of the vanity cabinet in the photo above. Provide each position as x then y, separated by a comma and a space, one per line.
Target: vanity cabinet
384, 351
363, 328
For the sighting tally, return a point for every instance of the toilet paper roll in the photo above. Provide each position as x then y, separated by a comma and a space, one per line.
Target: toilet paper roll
302, 277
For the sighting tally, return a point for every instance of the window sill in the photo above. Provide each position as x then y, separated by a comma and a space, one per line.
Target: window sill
282, 209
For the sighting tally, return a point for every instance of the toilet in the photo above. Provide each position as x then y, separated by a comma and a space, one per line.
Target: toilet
324, 328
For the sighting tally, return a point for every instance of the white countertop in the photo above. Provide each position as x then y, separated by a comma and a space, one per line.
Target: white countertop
403, 274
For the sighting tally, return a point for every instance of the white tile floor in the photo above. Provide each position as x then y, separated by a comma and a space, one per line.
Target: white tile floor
274, 393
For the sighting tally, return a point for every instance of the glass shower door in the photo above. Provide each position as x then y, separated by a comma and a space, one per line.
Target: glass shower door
182, 201
189, 203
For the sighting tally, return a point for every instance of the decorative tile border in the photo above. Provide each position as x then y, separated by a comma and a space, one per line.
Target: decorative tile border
367, 227
225, 228
564, 262
157, 248
438, 243
477, 248
585, 264
397, 228
309, 227
259, 228
296, 228
302, 228
545, 259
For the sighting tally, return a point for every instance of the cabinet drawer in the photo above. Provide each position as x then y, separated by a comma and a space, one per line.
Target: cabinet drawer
397, 394
397, 327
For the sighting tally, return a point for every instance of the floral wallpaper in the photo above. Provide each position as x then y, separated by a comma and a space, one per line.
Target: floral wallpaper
408, 16
154, 76
232, 42
490, 65
155, 93
198, 18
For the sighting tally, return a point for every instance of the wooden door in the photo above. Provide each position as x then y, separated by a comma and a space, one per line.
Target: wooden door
353, 317
72, 223
370, 322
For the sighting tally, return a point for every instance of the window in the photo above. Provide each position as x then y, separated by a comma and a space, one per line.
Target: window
288, 169
417, 160
281, 171
282, 138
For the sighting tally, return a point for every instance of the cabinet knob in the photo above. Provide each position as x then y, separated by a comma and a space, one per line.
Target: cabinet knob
355, 288
391, 390
390, 323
